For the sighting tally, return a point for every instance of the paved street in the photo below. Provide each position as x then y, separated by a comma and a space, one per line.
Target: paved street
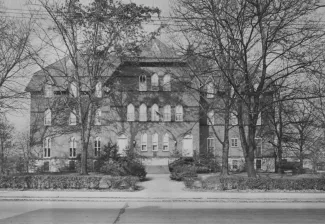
159, 212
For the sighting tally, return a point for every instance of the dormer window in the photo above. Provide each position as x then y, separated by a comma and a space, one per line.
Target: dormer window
98, 90
48, 91
154, 82
142, 83
73, 89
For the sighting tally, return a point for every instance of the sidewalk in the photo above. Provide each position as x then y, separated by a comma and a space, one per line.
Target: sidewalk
160, 188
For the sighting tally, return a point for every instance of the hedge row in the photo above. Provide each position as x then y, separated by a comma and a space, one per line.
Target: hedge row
68, 182
241, 183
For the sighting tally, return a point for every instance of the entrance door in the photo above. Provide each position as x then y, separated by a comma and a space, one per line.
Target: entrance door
122, 143
187, 146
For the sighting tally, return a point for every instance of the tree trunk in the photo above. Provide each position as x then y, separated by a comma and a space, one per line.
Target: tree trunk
1, 158
301, 161
225, 145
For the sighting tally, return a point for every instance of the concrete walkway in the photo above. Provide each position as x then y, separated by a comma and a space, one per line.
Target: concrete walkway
159, 187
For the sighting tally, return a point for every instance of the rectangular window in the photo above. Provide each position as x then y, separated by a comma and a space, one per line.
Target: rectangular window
210, 145
234, 164
167, 117
234, 142
97, 147
258, 164
259, 143
179, 117
144, 148
165, 148
73, 152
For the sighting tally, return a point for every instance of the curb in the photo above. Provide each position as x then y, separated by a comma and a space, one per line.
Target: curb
215, 200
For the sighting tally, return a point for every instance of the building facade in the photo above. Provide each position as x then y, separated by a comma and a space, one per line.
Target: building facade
144, 106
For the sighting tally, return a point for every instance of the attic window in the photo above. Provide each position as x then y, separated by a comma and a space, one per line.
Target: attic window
48, 92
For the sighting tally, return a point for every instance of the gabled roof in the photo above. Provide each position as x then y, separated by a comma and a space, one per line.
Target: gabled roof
61, 71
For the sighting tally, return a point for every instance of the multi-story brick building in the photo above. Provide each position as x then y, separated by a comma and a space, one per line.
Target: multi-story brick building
144, 106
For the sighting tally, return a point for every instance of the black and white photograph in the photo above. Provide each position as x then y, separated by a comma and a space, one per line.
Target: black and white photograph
162, 111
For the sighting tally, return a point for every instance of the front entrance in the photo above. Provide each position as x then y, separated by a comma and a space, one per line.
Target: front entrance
187, 150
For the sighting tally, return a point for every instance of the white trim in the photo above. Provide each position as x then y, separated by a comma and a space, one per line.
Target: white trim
213, 144
167, 83
130, 112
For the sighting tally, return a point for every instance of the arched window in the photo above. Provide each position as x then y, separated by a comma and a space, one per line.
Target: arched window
74, 89
98, 115
97, 146
47, 148
179, 113
155, 113
73, 118
210, 90
98, 90
154, 82
210, 120
167, 84
155, 142
48, 91
166, 142
167, 113
48, 117
73, 147
143, 112
144, 142
122, 143
142, 83
130, 112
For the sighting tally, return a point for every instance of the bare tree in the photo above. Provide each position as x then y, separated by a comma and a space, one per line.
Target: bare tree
94, 37
15, 56
253, 39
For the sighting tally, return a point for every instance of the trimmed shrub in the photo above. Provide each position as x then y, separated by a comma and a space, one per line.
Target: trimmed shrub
180, 172
65, 182
242, 183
